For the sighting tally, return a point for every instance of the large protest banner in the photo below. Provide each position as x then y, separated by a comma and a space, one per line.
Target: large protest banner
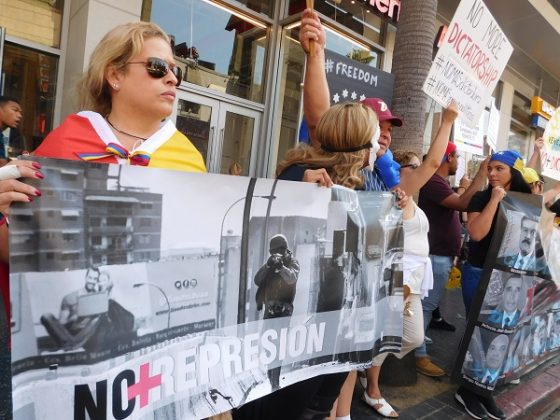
550, 156
470, 61
144, 293
514, 321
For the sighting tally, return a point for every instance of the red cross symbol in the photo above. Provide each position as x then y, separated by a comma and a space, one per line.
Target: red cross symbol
145, 383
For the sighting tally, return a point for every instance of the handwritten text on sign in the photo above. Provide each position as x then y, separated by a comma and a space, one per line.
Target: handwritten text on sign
470, 62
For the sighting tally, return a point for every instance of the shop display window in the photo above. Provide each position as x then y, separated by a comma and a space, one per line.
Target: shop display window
30, 76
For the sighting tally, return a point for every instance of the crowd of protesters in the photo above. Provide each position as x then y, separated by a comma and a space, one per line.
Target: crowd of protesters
129, 88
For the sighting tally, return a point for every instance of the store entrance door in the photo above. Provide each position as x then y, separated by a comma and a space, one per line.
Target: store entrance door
224, 133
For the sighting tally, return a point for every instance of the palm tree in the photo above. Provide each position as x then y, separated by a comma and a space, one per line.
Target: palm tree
411, 63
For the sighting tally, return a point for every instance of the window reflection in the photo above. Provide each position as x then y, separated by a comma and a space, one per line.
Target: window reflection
216, 48
520, 132
35, 20
353, 14
31, 77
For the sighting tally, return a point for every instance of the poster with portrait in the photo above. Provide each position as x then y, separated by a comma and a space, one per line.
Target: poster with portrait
514, 320
131, 300
550, 154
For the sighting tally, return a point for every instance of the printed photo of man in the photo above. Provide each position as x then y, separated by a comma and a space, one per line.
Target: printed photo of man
88, 317
525, 258
505, 308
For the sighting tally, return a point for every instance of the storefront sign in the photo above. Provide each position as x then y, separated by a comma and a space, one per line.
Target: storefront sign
391, 8
541, 107
550, 156
470, 62
350, 80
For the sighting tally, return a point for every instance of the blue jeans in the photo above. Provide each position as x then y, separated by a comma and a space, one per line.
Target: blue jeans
470, 277
441, 267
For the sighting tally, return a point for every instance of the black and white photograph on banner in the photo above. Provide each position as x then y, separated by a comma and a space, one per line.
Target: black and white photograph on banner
217, 301
515, 303
485, 357
519, 349
554, 327
521, 248
506, 300
538, 335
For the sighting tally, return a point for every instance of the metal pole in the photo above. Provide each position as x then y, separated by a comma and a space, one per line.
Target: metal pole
242, 300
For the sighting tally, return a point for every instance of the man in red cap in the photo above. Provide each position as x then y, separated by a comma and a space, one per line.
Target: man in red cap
442, 206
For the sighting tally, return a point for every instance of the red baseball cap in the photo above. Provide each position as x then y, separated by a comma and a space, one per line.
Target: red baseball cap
382, 110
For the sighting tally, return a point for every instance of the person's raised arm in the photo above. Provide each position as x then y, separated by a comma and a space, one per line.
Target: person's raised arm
316, 96
535, 159
461, 201
479, 224
411, 182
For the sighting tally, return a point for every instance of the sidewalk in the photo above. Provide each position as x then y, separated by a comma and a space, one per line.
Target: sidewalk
535, 397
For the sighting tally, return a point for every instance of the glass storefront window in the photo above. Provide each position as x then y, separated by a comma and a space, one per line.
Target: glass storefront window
290, 93
217, 48
520, 131
35, 20
30, 75
350, 49
354, 15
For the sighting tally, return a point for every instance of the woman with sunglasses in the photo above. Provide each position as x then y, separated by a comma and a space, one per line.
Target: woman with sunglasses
126, 95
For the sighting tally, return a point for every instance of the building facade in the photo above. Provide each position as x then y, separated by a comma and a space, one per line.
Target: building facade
241, 97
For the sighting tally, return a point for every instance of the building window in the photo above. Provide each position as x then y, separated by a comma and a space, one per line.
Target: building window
216, 49
356, 16
30, 76
144, 221
38, 21
520, 131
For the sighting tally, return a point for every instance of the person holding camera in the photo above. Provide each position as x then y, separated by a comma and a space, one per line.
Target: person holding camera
276, 280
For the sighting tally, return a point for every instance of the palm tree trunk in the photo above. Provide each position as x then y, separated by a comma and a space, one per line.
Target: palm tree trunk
411, 63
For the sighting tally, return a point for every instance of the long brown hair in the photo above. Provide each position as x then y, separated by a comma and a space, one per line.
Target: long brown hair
343, 126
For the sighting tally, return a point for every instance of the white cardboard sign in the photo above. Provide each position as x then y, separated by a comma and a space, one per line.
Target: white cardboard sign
470, 61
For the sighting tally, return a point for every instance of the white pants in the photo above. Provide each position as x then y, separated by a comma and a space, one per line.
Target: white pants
413, 330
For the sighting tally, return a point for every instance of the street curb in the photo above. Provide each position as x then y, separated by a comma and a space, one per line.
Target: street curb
534, 398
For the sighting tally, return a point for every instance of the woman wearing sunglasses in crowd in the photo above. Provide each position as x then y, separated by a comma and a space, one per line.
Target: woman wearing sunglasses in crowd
126, 95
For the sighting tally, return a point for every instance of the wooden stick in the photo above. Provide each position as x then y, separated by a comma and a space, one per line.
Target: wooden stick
309, 5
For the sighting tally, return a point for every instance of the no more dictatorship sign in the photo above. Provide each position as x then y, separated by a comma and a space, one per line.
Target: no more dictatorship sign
470, 61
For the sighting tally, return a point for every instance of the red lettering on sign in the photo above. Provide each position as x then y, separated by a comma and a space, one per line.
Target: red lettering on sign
144, 385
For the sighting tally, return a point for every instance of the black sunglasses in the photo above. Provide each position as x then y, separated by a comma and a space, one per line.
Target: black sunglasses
410, 165
158, 68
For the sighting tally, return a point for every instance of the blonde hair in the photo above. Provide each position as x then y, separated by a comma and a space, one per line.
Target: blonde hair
116, 48
343, 126
404, 157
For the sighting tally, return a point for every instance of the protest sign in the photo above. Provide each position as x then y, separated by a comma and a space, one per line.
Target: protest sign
550, 155
470, 61
350, 80
471, 139
136, 293
514, 320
